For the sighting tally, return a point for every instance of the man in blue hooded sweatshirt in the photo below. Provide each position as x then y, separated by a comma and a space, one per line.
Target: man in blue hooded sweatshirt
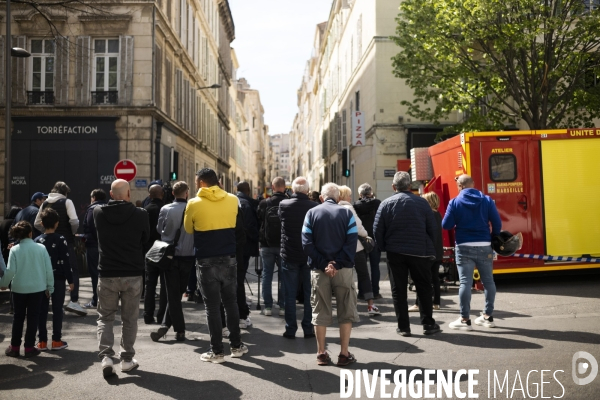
471, 213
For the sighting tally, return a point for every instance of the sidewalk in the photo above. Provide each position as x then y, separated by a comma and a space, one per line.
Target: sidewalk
542, 323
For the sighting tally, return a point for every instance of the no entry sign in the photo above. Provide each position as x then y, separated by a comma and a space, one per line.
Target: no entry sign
125, 169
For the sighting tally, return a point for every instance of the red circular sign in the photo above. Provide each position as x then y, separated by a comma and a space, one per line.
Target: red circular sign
125, 169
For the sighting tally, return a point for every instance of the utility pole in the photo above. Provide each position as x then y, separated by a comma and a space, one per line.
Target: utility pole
7, 119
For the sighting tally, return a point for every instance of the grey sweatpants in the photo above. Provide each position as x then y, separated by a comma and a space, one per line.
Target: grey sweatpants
109, 289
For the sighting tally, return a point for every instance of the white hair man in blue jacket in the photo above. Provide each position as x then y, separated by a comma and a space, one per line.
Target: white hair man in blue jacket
329, 237
470, 214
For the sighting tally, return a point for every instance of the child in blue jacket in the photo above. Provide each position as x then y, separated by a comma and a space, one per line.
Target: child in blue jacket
30, 270
56, 246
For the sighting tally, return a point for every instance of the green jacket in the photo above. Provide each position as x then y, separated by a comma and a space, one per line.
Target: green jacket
29, 268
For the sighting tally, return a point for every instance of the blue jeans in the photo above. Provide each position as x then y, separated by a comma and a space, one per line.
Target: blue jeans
58, 299
91, 255
218, 280
292, 274
467, 258
270, 257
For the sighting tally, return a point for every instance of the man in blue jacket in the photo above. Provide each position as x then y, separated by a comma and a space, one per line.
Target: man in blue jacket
329, 237
470, 214
294, 262
405, 228
29, 213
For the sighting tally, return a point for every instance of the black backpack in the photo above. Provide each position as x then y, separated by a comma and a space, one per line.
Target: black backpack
272, 226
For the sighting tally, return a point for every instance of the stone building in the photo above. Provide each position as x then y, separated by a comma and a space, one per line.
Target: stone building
350, 71
280, 144
133, 82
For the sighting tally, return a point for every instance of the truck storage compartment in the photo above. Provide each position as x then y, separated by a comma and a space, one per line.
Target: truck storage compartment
571, 187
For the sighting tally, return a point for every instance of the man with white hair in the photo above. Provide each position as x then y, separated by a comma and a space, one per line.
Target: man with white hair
405, 228
122, 231
329, 237
294, 262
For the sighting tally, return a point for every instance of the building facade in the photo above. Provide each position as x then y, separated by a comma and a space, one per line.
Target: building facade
133, 82
351, 71
280, 144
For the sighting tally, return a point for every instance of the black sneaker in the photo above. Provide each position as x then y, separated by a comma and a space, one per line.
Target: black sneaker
431, 329
160, 333
360, 297
180, 336
403, 333
149, 320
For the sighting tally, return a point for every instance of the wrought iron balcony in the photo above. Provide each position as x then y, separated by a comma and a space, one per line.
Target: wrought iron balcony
105, 97
39, 97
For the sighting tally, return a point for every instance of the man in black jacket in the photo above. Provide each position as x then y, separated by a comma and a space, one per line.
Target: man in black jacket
270, 243
250, 248
294, 261
366, 208
98, 198
122, 231
405, 228
153, 273
30, 212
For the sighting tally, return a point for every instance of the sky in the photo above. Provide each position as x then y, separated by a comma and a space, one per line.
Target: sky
273, 42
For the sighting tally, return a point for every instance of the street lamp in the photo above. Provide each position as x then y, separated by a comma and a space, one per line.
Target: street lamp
213, 86
9, 52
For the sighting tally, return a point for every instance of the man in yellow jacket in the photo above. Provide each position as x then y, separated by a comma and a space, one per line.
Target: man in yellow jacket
214, 217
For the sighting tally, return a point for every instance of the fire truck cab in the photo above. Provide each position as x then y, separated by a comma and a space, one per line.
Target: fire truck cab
546, 185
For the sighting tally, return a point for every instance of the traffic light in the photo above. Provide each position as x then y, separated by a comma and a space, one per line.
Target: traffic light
345, 169
173, 176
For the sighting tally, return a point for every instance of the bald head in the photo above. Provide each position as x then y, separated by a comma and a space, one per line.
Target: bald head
156, 192
465, 182
244, 187
278, 184
119, 190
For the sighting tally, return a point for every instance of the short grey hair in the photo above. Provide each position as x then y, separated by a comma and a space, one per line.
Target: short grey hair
300, 185
365, 190
330, 191
465, 180
401, 181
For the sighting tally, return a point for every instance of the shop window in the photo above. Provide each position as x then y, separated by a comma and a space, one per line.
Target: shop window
106, 71
503, 167
42, 72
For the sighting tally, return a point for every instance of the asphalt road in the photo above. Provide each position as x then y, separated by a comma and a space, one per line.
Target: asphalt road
542, 322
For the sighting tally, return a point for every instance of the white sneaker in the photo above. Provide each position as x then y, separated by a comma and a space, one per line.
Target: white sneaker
483, 321
282, 312
248, 301
240, 351
225, 333
248, 322
107, 367
267, 311
75, 308
127, 366
413, 308
243, 324
213, 358
373, 310
461, 325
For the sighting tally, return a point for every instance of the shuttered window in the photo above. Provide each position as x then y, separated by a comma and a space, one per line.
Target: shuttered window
42, 65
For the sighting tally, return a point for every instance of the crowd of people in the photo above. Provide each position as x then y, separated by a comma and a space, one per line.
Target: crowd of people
317, 241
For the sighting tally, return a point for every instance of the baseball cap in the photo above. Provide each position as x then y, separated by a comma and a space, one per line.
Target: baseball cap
38, 195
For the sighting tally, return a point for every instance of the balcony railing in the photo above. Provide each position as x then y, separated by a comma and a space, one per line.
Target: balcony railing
105, 97
39, 97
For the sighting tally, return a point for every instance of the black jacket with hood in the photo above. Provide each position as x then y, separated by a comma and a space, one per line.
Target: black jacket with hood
122, 229
366, 209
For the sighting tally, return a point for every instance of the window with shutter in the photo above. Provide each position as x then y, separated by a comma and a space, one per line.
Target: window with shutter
158, 67
42, 67
19, 73
126, 70
169, 88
